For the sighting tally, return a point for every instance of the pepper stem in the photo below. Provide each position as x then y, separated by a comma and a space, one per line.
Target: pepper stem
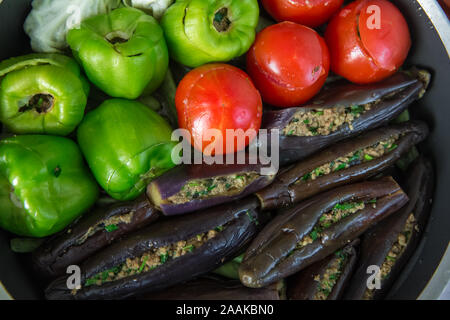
221, 21
117, 37
40, 102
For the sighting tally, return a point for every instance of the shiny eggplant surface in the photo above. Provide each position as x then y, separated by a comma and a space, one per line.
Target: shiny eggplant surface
345, 162
209, 288
384, 100
325, 279
317, 227
391, 242
193, 187
91, 233
166, 253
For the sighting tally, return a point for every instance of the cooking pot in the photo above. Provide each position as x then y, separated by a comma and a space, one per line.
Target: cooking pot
427, 273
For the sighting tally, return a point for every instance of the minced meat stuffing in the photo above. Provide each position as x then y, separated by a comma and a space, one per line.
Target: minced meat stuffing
323, 121
370, 153
109, 225
204, 188
396, 251
328, 280
339, 212
152, 259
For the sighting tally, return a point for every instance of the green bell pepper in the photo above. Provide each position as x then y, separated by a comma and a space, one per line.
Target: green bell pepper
44, 184
42, 93
123, 53
231, 268
202, 31
126, 145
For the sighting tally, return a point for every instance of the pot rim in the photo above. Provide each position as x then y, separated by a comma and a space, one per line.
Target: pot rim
438, 286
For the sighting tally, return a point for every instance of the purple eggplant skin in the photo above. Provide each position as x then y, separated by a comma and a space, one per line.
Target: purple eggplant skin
284, 191
242, 220
170, 183
273, 255
302, 285
404, 88
209, 288
54, 256
378, 241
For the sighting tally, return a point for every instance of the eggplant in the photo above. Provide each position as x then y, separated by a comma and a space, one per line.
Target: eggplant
349, 161
166, 253
398, 235
214, 288
325, 279
317, 227
91, 233
188, 188
386, 99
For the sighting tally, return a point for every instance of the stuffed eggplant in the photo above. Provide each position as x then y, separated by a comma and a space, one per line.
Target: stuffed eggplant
391, 243
314, 229
192, 187
213, 288
91, 233
326, 279
165, 253
346, 162
341, 111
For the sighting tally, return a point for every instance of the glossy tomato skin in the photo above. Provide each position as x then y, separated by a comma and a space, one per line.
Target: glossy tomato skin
288, 63
311, 13
363, 52
218, 96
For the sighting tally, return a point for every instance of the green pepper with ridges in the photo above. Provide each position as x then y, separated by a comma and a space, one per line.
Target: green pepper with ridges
44, 184
42, 94
126, 145
202, 31
123, 53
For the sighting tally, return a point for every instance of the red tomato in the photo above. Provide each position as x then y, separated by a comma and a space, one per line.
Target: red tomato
288, 63
368, 41
221, 97
311, 13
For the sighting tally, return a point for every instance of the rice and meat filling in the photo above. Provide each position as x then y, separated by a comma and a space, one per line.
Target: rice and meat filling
339, 212
152, 259
205, 188
396, 251
370, 153
109, 225
330, 277
324, 121
327, 281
